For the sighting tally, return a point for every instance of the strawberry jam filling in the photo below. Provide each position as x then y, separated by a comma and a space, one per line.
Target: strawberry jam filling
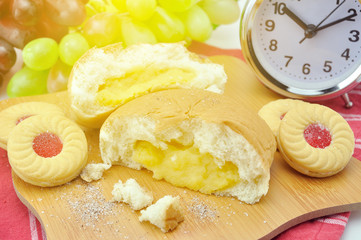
317, 135
47, 145
22, 119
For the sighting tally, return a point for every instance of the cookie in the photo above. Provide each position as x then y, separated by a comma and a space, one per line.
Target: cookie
273, 112
13, 115
47, 150
315, 140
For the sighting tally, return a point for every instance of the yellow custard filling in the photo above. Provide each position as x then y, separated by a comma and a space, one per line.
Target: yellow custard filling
185, 166
117, 91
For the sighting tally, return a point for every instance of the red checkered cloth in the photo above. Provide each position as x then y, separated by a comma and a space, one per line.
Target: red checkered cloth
17, 222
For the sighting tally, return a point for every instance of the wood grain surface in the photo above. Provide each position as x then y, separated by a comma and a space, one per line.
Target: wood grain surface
80, 210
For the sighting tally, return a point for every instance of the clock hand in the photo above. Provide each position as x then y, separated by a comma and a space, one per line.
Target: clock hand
330, 14
294, 17
336, 22
312, 29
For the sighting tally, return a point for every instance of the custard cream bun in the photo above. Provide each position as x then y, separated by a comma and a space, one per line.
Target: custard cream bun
195, 139
105, 78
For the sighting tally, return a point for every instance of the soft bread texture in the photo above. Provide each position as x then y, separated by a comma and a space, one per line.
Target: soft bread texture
132, 193
212, 123
166, 213
123, 74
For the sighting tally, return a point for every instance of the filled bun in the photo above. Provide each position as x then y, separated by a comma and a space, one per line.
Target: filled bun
192, 138
105, 78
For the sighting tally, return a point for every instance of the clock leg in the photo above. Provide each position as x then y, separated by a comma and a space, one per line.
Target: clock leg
346, 99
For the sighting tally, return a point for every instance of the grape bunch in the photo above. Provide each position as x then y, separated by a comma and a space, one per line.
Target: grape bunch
53, 34
22, 21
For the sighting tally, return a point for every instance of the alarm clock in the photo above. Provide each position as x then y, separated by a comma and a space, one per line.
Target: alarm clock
304, 49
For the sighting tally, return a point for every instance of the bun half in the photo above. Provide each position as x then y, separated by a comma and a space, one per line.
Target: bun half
189, 127
105, 78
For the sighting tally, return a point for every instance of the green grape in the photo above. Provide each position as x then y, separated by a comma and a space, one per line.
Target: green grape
177, 5
58, 77
134, 31
40, 54
120, 5
187, 41
71, 47
95, 6
197, 23
221, 11
27, 82
166, 26
101, 29
141, 9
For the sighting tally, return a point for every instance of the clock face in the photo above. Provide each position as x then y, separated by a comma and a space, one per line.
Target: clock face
308, 44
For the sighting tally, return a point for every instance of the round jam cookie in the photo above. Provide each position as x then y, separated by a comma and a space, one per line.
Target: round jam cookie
13, 115
273, 112
315, 140
47, 150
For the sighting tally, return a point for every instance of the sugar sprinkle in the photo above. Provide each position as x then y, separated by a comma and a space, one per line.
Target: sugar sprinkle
202, 210
91, 205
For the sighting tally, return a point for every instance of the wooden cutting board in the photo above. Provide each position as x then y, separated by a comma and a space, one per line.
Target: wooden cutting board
80, 210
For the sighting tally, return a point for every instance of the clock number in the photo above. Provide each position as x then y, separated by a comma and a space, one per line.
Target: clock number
346, 54
279, 8
355, 36
327, 66
306, 68
352, 17
270, 25
273, 45
289, 60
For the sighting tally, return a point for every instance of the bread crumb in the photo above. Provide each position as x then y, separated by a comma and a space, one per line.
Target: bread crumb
94, 171
131, 193
165, 213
